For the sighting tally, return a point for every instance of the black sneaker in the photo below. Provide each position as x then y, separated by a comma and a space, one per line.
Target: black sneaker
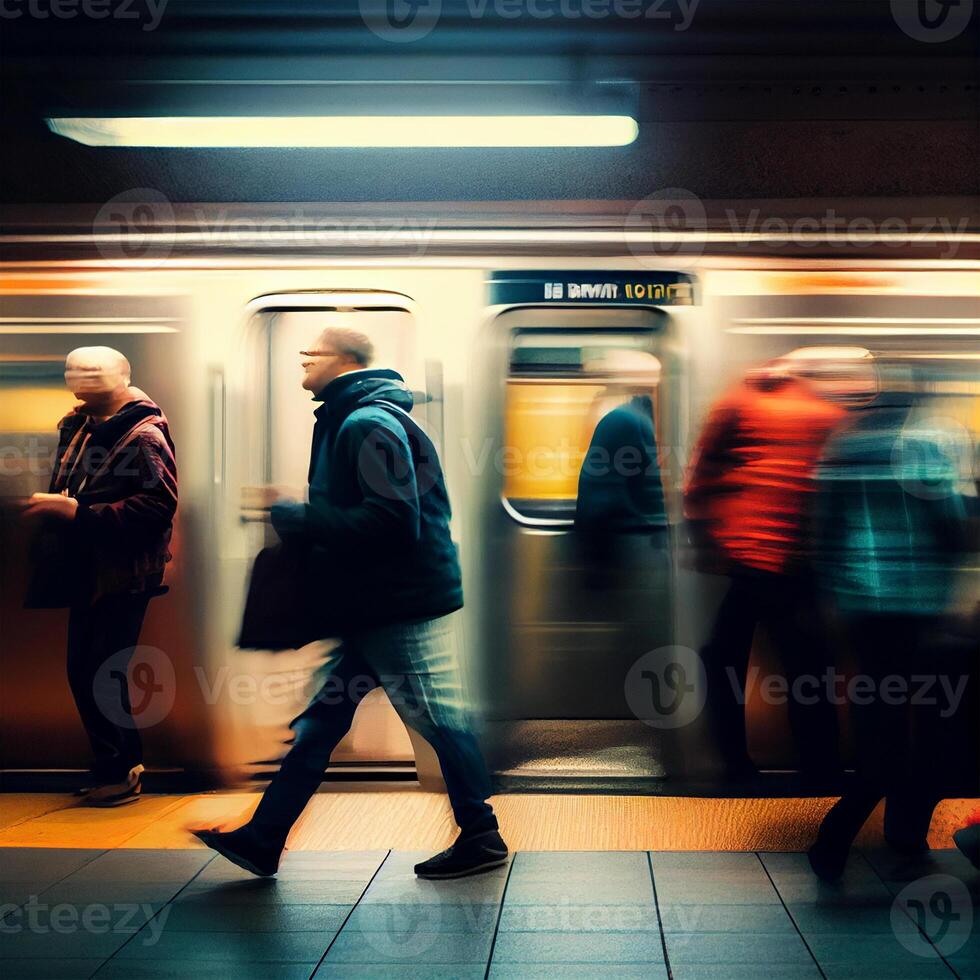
467, 856
239, 847
967, 839
828, 860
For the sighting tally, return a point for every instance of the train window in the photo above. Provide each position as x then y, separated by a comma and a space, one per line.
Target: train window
581, 423
34, 397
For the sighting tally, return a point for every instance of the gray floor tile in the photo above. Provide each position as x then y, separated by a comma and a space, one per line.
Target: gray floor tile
562, 947
194, 917
870, 950
705, 861
569, 865
418, 971
713, 893
49, 969
729, 948
82, 893
49, 944
268, 891
17, 893
246, 947
422, 916
600, 892
578, 971
193, 969
813, 919
376, 948
725, 918
924, 970
578, 918
139, 865
745, 971
42, 863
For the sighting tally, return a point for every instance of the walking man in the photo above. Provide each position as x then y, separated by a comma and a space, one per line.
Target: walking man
108, 519
384, 564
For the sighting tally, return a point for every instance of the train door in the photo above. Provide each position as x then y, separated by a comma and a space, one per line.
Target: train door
581, 558
283, 326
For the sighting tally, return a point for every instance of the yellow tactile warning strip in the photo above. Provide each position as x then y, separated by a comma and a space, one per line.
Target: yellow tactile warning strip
411, 819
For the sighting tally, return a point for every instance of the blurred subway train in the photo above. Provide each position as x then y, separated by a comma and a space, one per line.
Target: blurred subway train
502, 329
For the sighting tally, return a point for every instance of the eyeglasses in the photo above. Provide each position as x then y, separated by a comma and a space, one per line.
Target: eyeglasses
318, 353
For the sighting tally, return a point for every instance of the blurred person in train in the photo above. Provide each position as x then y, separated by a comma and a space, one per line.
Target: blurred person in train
747, 501
891, 537
384, 562
619, 486
107, 521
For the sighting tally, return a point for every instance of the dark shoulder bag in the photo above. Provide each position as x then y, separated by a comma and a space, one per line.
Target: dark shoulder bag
279, 608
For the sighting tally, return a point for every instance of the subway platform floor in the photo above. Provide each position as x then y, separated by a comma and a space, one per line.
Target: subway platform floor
687, 915
597, 886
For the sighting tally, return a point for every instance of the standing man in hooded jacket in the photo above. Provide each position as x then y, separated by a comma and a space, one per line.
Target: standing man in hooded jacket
383, 562
108, 517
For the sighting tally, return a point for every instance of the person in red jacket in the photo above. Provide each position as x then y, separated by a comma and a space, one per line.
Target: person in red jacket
747, 499
107, 521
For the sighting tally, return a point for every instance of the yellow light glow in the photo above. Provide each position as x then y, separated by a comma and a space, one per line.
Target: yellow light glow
348, 131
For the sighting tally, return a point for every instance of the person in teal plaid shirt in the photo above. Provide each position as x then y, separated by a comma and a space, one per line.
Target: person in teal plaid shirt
889, 532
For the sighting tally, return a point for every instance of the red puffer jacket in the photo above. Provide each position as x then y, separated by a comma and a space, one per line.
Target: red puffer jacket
748, 492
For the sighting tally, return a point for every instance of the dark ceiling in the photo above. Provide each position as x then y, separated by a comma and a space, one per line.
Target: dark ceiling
735, 98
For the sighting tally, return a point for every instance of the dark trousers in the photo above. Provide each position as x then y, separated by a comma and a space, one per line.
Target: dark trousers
417, 664
787, 607
101, 638
903, 743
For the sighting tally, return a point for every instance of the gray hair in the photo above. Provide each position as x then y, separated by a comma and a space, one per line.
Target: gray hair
349, 342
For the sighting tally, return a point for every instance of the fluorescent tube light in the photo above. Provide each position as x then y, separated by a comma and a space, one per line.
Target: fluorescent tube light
348, 131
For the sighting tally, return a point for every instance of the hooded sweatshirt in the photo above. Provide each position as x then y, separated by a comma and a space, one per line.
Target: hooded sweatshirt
891, 526
378, 513
123, 473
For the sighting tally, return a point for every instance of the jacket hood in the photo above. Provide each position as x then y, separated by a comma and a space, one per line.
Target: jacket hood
139, 408
359, 388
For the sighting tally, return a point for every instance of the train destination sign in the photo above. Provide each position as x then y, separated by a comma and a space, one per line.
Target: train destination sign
588, 286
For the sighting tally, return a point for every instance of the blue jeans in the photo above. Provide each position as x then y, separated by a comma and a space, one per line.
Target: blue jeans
417, 664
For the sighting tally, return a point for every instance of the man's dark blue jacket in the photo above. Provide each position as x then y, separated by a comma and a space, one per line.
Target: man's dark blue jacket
378, 512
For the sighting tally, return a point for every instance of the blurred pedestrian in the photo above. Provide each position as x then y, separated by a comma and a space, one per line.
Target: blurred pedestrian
889, 534
385, 577
747, 500
107, 522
